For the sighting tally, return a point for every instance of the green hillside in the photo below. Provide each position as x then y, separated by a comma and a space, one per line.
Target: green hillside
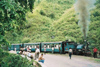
55, 20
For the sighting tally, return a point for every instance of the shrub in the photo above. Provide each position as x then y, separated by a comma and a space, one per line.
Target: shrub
42, 12
96, 13
12, 60
14, 34
52, 15
28, 25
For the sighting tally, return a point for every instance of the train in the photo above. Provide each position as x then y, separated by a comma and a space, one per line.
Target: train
59, 47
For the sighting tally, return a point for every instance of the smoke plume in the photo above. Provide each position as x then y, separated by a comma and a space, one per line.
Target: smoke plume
82, 8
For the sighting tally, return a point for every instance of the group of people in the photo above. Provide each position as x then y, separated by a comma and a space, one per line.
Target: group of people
37, 52
32, 56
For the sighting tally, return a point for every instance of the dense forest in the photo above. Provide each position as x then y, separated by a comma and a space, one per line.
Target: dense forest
55, 20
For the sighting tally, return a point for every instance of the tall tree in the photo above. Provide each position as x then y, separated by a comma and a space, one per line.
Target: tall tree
12, 15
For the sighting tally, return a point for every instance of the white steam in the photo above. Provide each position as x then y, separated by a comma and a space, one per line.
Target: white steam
83, 7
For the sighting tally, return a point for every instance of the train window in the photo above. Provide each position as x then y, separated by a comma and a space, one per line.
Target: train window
26, 46
52, 45
48, 46
59, 45
56, 46
35, 46
44, 46
14, 46
38, 46
32, 46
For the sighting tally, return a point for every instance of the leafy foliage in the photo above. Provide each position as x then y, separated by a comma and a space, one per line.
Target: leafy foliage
42, 12
26, 3
12, 19
12, 60
12, 16
25, 40
58, 19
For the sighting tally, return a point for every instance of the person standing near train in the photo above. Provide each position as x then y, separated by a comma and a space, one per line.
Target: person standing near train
70, 52
27, 48
15, 48
37, 52
52, 50
44, 49
95, 52
59, 49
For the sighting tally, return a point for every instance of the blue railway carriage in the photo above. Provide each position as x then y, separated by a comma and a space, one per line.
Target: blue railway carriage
32, 46
51, 45
15, 47
68, 44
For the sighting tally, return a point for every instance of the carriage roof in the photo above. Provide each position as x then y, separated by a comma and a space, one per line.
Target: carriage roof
31, 43
51, 42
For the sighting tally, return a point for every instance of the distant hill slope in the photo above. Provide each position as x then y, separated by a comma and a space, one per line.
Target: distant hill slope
55, 20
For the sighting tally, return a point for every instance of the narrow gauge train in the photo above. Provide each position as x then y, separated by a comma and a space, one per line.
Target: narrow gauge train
59, 47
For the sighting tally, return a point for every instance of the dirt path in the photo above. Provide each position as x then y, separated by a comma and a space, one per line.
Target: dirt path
56, 60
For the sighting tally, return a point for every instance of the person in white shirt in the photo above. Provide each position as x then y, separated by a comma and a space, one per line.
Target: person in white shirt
52, 49
70, 52
37, 52
30, 55
29, 48
15, 49
44, 49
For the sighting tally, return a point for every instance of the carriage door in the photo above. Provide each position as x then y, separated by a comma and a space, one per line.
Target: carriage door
14, 46
40, 47
63, 49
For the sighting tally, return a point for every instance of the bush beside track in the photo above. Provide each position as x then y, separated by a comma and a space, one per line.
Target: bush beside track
13, 60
